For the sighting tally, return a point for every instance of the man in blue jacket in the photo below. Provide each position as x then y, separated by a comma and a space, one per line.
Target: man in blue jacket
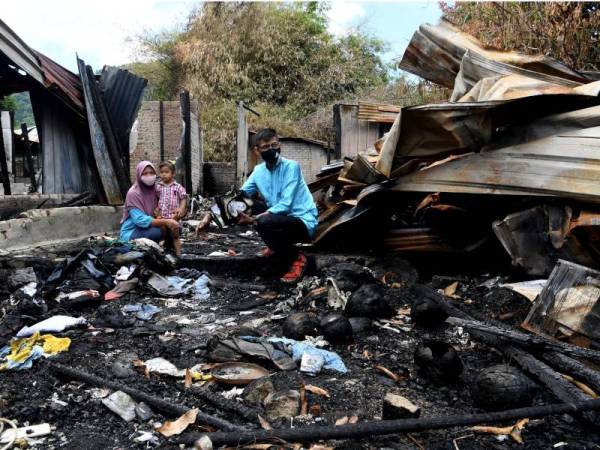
291, 214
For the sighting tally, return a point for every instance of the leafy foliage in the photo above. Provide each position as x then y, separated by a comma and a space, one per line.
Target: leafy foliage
277, 57
567, 31
21, 105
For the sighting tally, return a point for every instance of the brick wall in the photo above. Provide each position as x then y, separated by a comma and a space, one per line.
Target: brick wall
145, 137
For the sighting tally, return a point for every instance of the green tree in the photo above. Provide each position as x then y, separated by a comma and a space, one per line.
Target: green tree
278, 57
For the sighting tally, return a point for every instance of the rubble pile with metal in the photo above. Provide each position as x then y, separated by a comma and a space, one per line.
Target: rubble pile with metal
108, 344
517, 143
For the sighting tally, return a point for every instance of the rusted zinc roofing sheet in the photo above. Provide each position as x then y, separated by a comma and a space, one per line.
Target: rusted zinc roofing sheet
435, 53
377, 112
62, 83
564, 165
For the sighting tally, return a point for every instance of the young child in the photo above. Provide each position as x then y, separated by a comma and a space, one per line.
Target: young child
172, 199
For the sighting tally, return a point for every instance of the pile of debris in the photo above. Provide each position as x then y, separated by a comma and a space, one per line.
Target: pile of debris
512, 154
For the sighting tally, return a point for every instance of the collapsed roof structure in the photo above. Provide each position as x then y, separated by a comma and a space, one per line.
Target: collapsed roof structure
518, 132
83, 121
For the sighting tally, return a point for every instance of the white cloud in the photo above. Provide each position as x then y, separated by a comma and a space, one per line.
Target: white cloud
343, 16
96, 30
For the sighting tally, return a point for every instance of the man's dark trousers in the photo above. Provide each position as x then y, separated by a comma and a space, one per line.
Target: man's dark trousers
280, 233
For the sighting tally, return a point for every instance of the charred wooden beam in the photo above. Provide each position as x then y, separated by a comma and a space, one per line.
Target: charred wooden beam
572, 367
29, 157
531, 342
385, 427
158, 403
4, 166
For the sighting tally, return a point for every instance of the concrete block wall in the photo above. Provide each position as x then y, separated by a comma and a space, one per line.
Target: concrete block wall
145, 142
44, 227
311, 157
219, 177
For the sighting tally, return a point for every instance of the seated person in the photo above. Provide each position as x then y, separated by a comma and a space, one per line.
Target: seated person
291, 214
172, 199
140, 203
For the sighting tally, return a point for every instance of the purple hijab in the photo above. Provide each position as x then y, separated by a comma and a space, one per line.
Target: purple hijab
139, 195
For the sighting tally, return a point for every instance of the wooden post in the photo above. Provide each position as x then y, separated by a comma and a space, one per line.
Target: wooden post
184, 100
29, 157
161, 124
241, 145
3, 164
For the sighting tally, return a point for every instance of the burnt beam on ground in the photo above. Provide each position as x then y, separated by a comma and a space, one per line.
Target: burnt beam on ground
159, 403
386, 427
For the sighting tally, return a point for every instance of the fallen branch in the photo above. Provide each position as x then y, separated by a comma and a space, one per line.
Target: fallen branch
158, 403
385, 427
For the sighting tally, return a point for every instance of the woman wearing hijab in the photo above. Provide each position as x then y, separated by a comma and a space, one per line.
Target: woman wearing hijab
140, 203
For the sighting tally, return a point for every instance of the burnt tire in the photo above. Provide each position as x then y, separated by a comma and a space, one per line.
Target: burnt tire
502, 387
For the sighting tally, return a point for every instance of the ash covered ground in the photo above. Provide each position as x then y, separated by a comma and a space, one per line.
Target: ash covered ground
183, 329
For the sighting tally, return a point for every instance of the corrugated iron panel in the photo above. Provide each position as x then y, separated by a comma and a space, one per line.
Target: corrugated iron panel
122, 94
377, 112
108, 174
566, 165
435, 53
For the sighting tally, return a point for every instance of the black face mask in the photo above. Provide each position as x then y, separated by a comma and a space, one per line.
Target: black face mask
270, 156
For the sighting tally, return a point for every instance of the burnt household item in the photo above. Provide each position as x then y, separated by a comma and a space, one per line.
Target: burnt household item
336, 328
299, 325
349, 276
230, 205
438, 361
569, 302
368, 301
502, 386
238, 373
427, 309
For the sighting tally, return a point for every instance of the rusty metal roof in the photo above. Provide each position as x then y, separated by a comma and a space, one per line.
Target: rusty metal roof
377, 112
62, 83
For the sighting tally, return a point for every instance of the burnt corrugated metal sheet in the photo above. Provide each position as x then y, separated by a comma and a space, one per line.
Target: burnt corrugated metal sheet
475, 67
566, 165
122, 94
435, 53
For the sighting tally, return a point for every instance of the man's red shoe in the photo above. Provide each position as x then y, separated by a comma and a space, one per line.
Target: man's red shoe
265, 253
296, 271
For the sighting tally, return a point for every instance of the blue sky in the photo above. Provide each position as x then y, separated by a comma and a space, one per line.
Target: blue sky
99, 30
